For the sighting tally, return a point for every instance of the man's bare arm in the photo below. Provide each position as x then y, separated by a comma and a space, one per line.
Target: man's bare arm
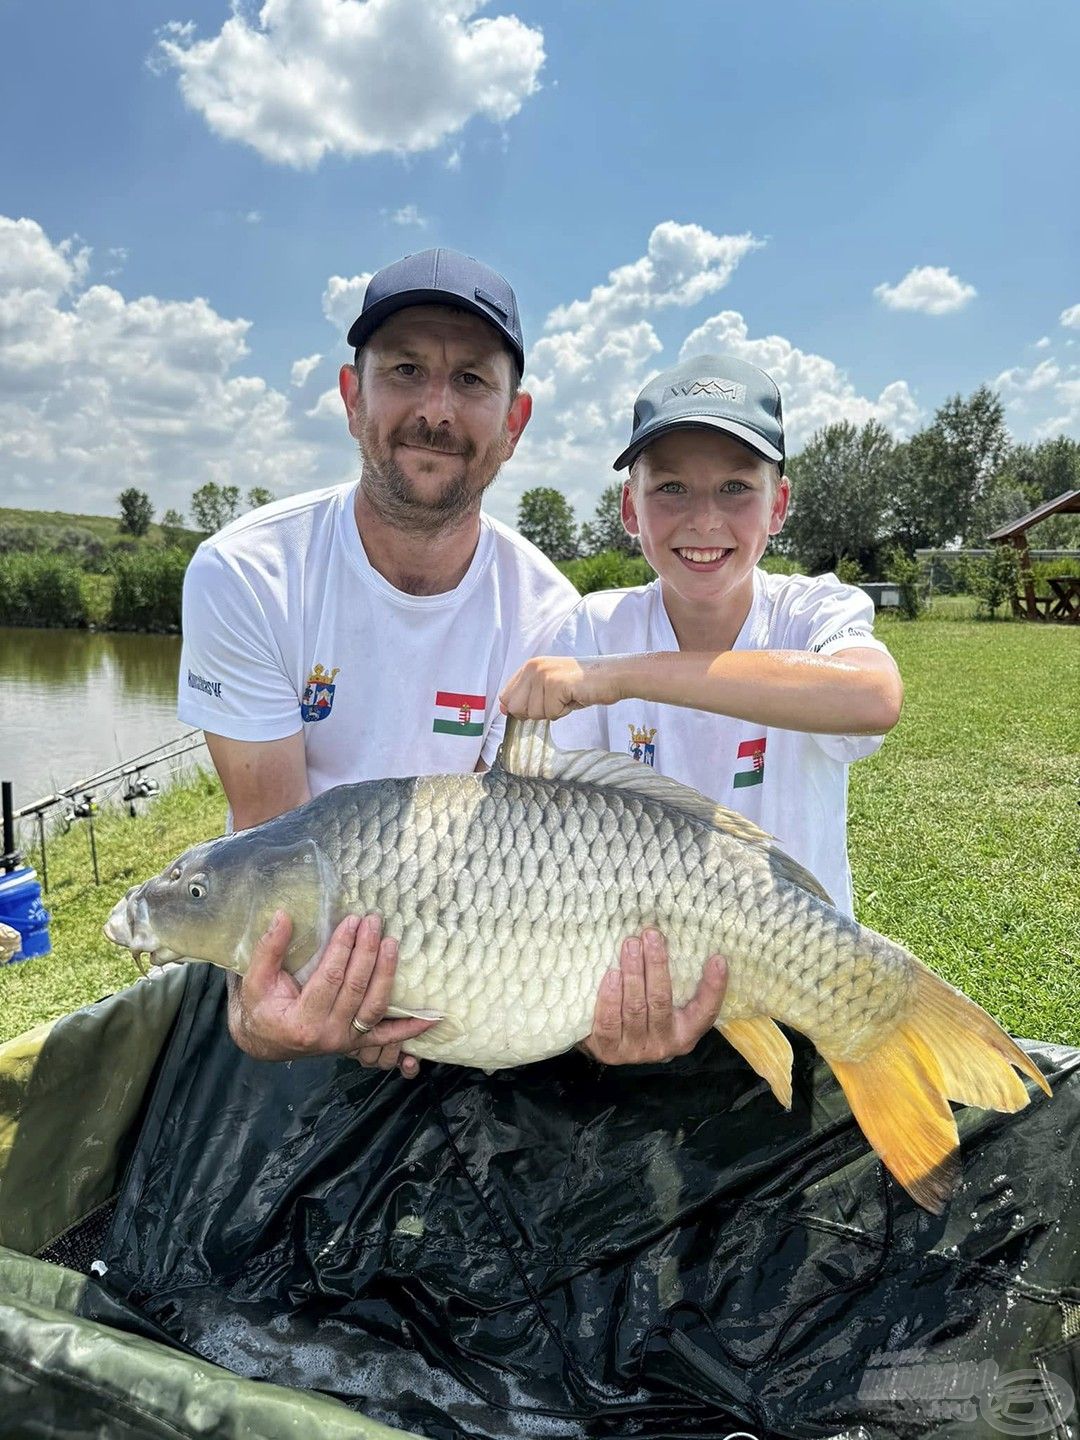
262, 778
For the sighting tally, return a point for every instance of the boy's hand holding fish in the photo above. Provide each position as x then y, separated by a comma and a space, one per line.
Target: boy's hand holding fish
636, 1022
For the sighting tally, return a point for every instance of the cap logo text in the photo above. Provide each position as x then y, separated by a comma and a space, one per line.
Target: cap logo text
729, 390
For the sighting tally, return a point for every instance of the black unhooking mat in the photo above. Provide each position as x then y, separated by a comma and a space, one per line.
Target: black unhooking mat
563, 1250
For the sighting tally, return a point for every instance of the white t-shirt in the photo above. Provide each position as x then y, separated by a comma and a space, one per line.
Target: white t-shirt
287, 628
792, 784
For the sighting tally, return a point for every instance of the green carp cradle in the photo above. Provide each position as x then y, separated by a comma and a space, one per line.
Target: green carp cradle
511, 891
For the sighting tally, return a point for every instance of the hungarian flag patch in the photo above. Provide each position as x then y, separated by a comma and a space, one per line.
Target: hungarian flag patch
457, 714
754, 773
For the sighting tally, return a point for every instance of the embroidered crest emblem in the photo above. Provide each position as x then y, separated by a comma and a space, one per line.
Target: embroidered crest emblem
318, 697
643, 744
754, 751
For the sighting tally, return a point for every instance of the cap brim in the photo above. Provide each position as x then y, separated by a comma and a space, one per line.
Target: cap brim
365, 325
699, 422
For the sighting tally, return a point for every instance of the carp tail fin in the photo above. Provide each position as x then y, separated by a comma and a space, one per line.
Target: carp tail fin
947, 1048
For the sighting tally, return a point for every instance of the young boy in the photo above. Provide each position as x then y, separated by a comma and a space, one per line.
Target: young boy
756, 689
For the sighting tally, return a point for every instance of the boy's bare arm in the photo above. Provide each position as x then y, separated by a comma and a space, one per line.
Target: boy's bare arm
854, 692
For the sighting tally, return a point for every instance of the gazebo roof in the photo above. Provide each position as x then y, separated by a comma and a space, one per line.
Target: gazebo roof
1066, 504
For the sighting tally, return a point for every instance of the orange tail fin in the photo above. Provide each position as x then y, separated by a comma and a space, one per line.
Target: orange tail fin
946, 1049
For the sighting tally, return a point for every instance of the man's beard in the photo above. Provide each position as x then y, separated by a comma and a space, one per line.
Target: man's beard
396, 499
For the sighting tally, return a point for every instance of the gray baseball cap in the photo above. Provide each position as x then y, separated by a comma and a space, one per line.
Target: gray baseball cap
714, 391
441, 277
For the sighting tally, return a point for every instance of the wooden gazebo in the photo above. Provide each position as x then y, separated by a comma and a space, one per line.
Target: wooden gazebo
1063, 602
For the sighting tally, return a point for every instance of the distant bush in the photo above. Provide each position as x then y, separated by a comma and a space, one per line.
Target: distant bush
780, 564
73, 542
905, 572
993, 579
1044, 570
20, 539
849, 571
610, 570
148, 590
40, 589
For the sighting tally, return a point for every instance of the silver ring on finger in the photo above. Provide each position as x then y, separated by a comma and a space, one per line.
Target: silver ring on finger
360, 1025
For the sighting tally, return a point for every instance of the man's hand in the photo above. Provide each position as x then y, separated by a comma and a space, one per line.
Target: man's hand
272, 1018
552, 685
635, 1022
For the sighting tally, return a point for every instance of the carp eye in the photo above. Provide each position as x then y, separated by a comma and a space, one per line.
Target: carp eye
196, 891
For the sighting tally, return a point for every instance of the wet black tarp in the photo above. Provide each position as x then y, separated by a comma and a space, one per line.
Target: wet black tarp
566, 1250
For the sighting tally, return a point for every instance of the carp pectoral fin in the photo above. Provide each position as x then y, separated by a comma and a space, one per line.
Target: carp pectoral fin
766, 1049
449, 1028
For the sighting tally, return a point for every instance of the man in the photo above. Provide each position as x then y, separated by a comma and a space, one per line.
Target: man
367, 630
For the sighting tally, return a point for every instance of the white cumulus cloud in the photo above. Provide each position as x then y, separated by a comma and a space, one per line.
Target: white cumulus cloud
814, 390
1041, 401
596, 353
301, 369
307, 78
343, 298
1071, 317
409, 215
99, 392
931, 289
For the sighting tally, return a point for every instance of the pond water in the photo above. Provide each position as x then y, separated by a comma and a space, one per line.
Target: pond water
73, 703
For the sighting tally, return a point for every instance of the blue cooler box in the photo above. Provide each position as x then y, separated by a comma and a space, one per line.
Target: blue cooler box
21, 908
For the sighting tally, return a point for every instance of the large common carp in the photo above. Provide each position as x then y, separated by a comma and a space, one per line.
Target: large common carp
511, 891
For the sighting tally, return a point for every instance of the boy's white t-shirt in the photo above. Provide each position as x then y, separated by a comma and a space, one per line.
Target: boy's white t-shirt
287, 628
792, 784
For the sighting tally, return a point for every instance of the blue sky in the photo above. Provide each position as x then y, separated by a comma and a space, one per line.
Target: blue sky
877, 202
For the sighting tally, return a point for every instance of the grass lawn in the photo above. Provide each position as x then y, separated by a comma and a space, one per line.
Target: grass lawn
963, 836
105, 527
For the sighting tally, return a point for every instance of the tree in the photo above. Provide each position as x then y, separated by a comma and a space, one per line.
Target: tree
606, 531
947, 469
259, 495
136, 512
213, 505
994, 578
1038, 473
546, 518
839, 495
172, 526
1046, 470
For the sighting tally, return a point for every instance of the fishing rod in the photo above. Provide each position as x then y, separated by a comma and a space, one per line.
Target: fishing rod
128, 773
121, 768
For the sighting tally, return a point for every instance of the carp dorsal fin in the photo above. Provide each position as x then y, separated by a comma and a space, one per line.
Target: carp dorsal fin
527, 749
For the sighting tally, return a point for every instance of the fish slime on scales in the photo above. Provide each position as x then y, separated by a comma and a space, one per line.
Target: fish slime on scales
511, 891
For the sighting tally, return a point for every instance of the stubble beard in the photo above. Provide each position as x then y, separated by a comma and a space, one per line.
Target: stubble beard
395, 499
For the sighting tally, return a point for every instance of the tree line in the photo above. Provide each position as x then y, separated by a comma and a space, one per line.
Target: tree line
861, 500
212, 506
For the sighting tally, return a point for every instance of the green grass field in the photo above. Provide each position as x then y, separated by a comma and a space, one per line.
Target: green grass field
963, 836
105, 527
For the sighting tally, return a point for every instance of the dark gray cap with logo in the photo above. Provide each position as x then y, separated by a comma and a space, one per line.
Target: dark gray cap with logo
716, 392
441, 277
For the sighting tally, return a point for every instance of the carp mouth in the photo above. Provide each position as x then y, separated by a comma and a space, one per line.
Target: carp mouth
129, 925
